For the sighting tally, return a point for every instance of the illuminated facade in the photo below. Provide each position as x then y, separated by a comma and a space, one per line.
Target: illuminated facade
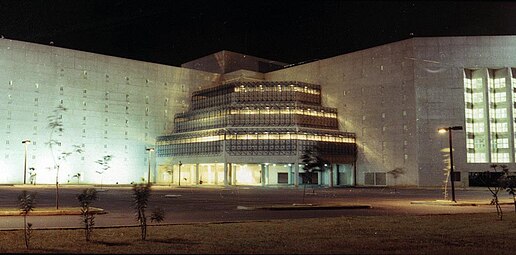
115, 107
253, 133
236, 119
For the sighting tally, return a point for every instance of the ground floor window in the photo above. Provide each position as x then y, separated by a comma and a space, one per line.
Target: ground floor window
282, 177
483, 179
251, 174
309, 178
375, 179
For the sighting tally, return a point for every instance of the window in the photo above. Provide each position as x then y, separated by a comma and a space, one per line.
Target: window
478, 97
500, 157
282, 177
470, 143
499, 97
498, 127
499, 83
376, 179
501, 143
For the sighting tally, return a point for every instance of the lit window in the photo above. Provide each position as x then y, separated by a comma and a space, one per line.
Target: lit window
500, 157
497, 127
470, 144
478, 113
478, 97
499, 97
502, 143
499, 83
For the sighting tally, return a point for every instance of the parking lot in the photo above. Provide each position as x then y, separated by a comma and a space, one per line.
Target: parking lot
219, 204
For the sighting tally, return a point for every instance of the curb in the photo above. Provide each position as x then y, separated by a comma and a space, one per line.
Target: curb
303, 207
450, 203
51, 212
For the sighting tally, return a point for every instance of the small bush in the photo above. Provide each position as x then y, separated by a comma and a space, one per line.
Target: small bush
86, 199
26, 203
141, 194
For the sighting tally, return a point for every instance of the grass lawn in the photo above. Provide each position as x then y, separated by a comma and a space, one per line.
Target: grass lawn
436, 234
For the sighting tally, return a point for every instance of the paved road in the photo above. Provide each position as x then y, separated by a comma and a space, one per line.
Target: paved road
220, 204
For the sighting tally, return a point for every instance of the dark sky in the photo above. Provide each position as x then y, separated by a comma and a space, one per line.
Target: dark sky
176, 31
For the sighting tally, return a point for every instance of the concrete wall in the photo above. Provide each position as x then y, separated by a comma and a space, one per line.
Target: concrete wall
417, 84
115, 106
373, 91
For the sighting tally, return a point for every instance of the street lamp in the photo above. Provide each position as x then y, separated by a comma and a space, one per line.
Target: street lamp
180, 164
449, 130
25, 142
150, 150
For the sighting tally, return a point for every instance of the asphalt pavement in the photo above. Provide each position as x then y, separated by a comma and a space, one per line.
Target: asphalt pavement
185, 205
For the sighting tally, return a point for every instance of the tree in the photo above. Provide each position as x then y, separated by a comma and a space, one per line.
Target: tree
141, 194
55, 123
396, 173
493, 180
86, 199
104, 165
312, 163
26, 203
509, 184
78, 176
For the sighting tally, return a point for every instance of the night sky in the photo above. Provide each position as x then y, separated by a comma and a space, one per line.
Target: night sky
174, 31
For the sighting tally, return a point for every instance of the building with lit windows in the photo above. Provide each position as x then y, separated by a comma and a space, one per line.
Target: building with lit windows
387, 100
254, 133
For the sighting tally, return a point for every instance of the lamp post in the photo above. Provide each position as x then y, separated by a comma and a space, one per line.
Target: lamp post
150, 150
25, 142
180, 164
449, 130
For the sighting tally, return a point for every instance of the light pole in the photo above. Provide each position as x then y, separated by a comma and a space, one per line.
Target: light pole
180, 164
449, 130
25, 142
150, 150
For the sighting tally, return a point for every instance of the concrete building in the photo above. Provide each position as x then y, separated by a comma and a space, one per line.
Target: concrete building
115, 107
393, 97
